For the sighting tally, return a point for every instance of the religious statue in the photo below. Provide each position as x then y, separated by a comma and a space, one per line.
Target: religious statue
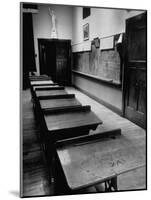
53, 18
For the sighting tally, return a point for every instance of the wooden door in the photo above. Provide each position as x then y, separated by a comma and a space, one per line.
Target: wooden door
135, 79
63, 65
42, 58
28, 44
51, 59
28, 48
55, 60
47, 57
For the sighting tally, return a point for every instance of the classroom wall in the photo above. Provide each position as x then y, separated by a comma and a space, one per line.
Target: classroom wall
102, 64
102, 23
42, 24
110, 96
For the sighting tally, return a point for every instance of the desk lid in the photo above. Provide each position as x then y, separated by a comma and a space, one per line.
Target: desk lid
86, 164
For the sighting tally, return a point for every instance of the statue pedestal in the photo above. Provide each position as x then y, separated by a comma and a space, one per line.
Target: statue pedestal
54, 34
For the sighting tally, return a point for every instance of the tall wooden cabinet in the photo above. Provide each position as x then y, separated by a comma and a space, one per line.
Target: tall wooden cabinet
55, 59
135, 79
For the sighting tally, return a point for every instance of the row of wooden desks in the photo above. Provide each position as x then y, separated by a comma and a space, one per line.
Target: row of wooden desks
61, 114
41, 84
65, 117
81, 160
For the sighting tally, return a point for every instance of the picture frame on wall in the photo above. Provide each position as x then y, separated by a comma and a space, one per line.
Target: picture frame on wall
86, 32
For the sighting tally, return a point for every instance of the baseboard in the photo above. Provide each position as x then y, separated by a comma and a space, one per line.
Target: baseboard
111, 107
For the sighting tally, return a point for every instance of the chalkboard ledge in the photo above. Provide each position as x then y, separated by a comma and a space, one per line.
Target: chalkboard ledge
99, 79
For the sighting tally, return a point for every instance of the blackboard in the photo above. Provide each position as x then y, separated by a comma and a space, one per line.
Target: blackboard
105, 64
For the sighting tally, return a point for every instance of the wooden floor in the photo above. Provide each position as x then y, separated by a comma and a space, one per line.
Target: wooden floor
35, 175
35, 172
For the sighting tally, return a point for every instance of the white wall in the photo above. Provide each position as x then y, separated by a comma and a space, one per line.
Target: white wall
69, 22
42, 24
102, 23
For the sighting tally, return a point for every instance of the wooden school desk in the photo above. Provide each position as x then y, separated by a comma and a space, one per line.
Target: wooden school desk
39, 78
53, 87
42, 86
89, 160
69, 122
45, 94
46, 87
66, 123
54, 103
58, 103
49, 93
41, 82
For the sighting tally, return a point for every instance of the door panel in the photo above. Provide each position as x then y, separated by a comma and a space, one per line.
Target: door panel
137, 49
131, 97
135, 70
141, 104
51, 60
136, 96
63, 68
43, 59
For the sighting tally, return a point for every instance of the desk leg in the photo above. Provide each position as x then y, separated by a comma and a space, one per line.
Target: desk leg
111, 185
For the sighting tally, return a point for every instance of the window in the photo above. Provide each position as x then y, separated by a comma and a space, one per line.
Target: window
86, 12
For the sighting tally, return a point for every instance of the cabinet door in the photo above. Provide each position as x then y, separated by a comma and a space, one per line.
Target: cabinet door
135, 70
63, 65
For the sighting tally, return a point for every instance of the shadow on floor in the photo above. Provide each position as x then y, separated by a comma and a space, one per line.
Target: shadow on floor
14, 193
